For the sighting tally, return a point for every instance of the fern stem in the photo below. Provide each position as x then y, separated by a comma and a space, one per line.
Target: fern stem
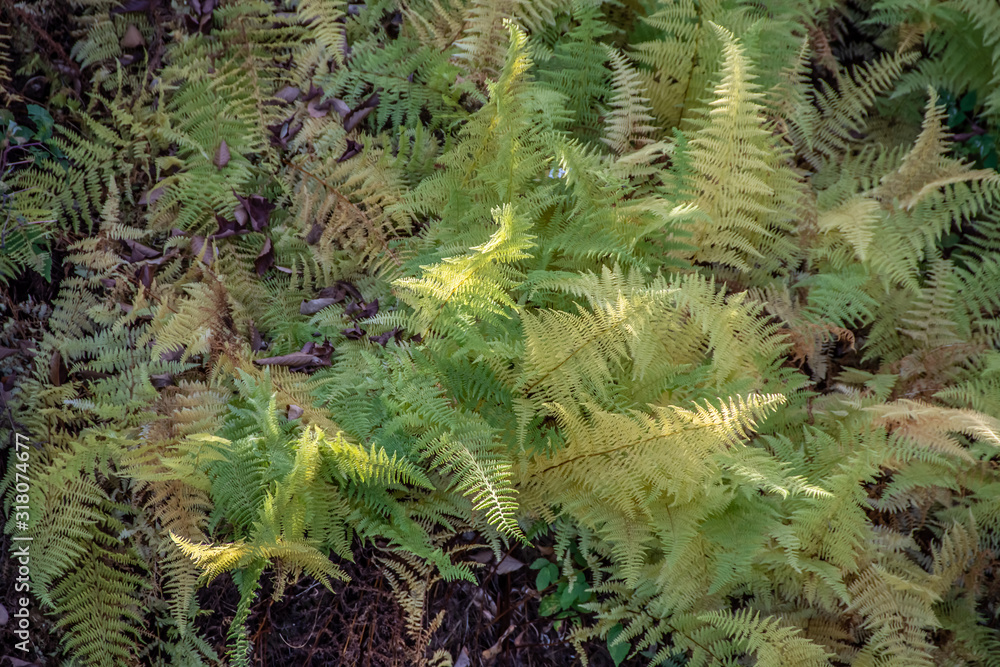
620, 447
570, 356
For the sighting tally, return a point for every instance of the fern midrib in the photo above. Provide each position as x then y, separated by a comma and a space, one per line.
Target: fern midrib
596, 336
623, 447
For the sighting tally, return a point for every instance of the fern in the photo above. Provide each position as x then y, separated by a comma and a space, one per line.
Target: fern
736, 176
687, 285
771, 643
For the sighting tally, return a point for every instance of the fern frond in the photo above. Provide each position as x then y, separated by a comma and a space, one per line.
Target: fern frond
772, 643
745, 191
324, 18
474, 287
627, 126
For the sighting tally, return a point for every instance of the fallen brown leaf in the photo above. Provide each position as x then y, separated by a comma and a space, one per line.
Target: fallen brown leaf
221, 155
265, 260
57, 369
132, 38
315, 305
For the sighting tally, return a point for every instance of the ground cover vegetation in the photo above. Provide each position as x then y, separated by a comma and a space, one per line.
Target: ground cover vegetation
451, 332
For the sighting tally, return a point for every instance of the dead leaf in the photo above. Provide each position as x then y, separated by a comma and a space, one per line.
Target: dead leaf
353, 148
341, 290
145, 274
241, 216
283, 132
265, 259
490, 654
150, 196
509, 564
221, 155
3, 615
132, 6
202, 6
256, 209
17, 662
383, 338
7, 383
313, 91
356, 117
172, 355
57, 369
256, 340
227, 228
354, 333
294, 412
482, 556
288, 94
369, 310
4, 353
463, 658
201, 24
315, 233
310, 357
139, 251
315, 305
317, 109
323, 350
340, 107
132, 38
161, 380
162, 260
293, 359
205, 251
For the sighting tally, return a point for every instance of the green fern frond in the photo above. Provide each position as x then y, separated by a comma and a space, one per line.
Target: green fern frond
772, 643
739, 182
474, 287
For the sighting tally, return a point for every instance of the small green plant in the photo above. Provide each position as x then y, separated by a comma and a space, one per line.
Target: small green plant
569, 594
620, 650
38, 144
565, 590
974, 139
566, 596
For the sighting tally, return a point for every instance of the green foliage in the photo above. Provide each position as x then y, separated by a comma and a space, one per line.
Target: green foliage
566, 591
704, 289
23, 239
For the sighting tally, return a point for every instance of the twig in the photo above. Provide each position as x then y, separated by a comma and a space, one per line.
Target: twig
44, 36
965, 136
